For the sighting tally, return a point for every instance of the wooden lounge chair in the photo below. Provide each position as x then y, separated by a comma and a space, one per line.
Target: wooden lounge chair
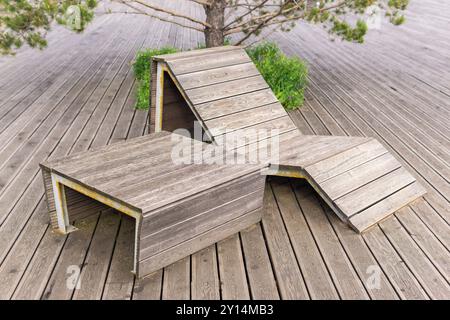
180, 208
222, 89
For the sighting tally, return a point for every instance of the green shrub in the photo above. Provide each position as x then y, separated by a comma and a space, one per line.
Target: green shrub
142, 68
287, 77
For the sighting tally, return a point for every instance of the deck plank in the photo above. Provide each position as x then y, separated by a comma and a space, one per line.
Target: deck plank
205, 275
344, 276
233, 278
176, 283
259, 269
356, 177
73, 254
149, 288
399, 275
96, 266
317, 278
120, 281
287, 272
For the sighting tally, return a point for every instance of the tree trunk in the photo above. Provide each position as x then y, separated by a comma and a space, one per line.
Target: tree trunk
215, 17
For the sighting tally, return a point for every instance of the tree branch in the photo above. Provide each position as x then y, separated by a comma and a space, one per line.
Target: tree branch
269, 21
172, 13
274, 14
245, 14
264, 37
202, 2
258, 27
142, 12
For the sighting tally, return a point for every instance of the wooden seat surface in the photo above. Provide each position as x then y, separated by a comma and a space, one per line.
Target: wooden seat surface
141, 172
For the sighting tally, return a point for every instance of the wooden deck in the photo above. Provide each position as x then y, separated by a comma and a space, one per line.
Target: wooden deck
356, 176
78, 94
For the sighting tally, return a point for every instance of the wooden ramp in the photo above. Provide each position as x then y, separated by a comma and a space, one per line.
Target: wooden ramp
357, 177
221, 89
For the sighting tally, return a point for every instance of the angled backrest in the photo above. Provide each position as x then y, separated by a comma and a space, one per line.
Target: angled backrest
222, 89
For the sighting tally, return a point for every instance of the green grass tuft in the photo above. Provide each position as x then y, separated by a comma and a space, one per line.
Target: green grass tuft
286, 76
142, 68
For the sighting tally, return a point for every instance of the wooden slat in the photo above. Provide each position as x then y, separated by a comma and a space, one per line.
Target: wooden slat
345, 161
340, 145
287, 272
269, 130
218, 75
199, 242
95, 269
195, 53
151, 200
427, 241
373, 192
150, 287
189, 65
151, 244
193, 207
226, 90
259, 270
120, 281
430, 278
313, 149
319, 283
23, 248
345, 278
384, 208
233, 279
73, 254
31, 286
242, 102
205, 275
365, 263
176, 285
398, 272
245, 119
117, 151
359, 176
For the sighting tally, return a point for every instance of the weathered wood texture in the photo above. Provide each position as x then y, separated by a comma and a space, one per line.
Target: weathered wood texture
176, 111
224, 89
394, 88
227, 94
361, 189
179, 208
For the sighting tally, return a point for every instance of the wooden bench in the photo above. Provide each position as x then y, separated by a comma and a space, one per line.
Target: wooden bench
357, 177
179, 208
